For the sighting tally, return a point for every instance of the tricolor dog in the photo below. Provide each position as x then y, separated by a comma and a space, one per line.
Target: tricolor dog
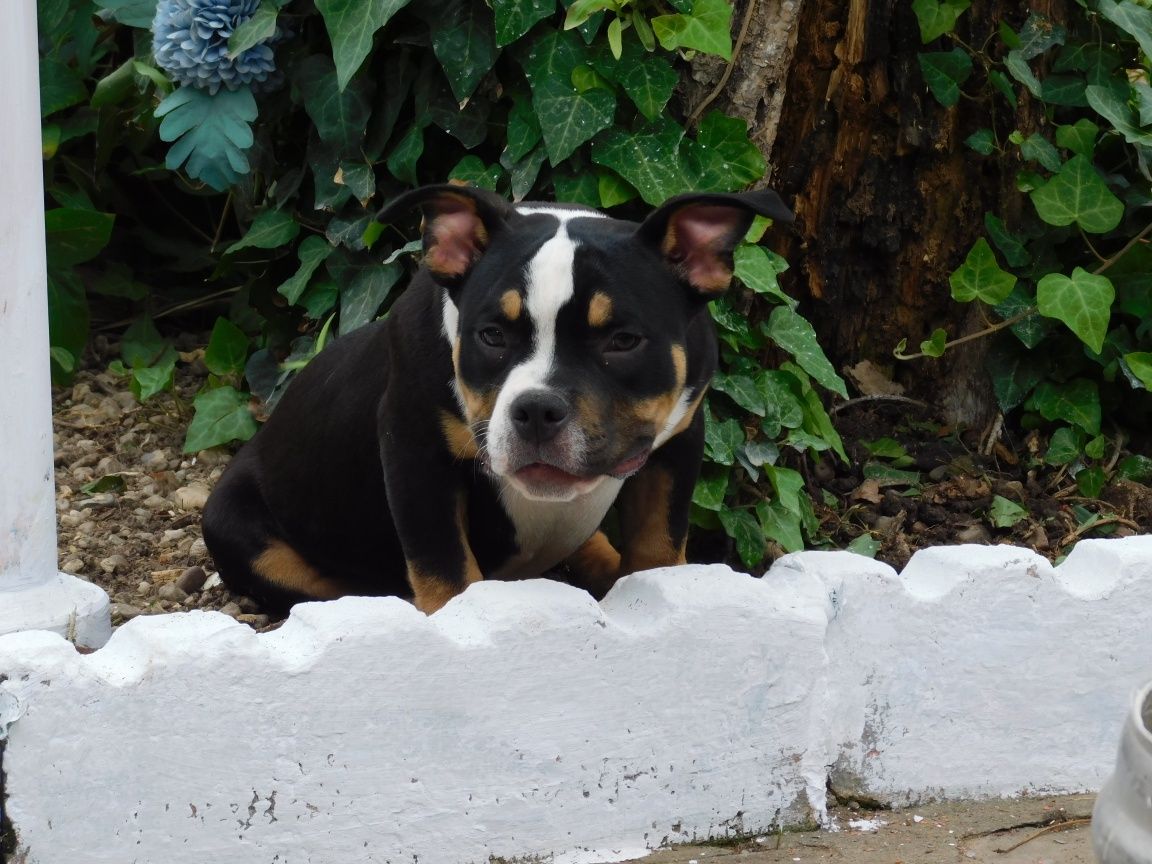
546, 363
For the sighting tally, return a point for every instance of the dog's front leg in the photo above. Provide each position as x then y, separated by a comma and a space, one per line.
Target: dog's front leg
654, 504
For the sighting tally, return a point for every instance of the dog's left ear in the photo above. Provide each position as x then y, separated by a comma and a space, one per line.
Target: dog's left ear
697, 232
459, 223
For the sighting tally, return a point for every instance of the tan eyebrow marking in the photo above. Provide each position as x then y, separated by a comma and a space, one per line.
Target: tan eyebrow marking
599, 309
512, 304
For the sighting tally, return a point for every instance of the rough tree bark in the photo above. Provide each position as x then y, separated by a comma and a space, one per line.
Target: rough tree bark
887, 197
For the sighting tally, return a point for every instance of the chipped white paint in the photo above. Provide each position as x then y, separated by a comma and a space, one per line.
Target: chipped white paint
524, 719
32, 592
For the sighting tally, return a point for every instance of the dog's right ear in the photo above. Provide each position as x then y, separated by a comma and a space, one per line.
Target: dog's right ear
459, 223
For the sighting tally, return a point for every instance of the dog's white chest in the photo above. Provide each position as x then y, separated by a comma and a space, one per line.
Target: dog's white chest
547, 532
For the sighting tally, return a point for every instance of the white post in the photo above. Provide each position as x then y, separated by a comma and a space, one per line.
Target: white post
33, 594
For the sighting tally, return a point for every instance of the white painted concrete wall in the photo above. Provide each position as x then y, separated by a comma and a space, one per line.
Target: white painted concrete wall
524, 719
32, 592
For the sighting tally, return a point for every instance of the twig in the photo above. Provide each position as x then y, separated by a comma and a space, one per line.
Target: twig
1051, 829
1073, 536
1139, 238
995, 429
171, 310
878, 397
979, 334
719, 88
220, 224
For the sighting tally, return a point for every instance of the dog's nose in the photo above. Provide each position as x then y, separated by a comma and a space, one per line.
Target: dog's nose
539, 416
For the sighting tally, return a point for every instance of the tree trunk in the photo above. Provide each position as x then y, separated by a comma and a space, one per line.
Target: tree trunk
888, 199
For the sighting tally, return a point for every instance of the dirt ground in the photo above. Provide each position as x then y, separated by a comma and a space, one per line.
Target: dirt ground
1025, 831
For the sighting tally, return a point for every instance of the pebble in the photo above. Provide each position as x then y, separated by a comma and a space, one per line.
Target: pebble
155, 460
156, 502
231, 609
113, 563
198, 549
192, 497
192, 579
172, 535
172, 592
974, 533
101, 499
144, 588
256, 621
73, 565
247, 604
124, 611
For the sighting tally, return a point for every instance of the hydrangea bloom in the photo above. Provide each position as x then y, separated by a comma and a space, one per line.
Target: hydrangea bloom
190, 41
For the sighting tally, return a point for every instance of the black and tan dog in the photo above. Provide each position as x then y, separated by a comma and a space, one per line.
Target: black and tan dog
546, 363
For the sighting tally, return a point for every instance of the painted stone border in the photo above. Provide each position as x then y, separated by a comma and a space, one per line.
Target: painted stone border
524, 719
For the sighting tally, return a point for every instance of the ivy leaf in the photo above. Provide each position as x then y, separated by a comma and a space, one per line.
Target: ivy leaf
60, 87
980, 277
743, 390
1077, 402
221, 416
1140, 363
581, 187
131, 13
1077, 194
1111, 103
567, 117
523, 129
934, 345
795, 335
1014, 373
339, 113
648, 159
351, 25
404, 156
781, 525
1019, 69
261, 26
722, 439
1009, 244
1136, 468
708, 28
1066, 90
464, 40
270, 229
210, 135
1004, 513
647, 79
363, 290
1083, 302
722, 158
983, 141
937, 18
1064, 448
864, 545
227, 349
758, 268
1091, 482
75, 235
944, 73
614, 189
1133, 19
710, 489
1079, 138
514, 18
742, 527
1037, 148
149, 381
312, 253
1038, 35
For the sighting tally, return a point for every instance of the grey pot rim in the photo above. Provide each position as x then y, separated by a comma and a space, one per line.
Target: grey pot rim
1142, 715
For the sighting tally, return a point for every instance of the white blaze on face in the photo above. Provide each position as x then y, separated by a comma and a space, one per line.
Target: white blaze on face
549, 286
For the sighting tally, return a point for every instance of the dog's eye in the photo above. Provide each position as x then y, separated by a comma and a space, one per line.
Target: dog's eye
493, 337
624, 341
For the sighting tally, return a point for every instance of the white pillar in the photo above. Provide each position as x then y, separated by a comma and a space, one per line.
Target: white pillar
33, 594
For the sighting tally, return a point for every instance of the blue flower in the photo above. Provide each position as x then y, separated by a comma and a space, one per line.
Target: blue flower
190, 42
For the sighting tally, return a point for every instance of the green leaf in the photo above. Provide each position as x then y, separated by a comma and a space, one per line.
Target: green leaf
114, 87
1097, 447
741, 389
210, 135
742, 527
577, 188
60, 87
758, 268
464, 40
1038, 35
1136, 468
886, 448
1140, 362
782, 409
352, 24
364, 286
141, 345
647, 159
983, 141
132, 13
1037, 148
152, 380
708, 28
980, 277
795, 335
227, 349
1077, 402
1077, 194
514, 18
944, 73
269, 230
937, 18
1065, 90
722, 158
1019, 69
710, 488
221, 415
1009, 244
523, 129
890, 475
1064, 447
613, 189
261, 26
935, 345
340, 113
1004, 513
1133, 18
567, 117
1091, 482
1083, 302
1079, 138
1014, 373
865, 545
319, 299
1003, 85
781, 524
404, 156
107, 483
647, 79
74, 236
67, 319
525, 172
360, 178
312, 253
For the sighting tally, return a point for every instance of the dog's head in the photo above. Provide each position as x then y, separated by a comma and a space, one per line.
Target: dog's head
569, 329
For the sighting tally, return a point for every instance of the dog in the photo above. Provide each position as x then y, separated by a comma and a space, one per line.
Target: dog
546, 363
